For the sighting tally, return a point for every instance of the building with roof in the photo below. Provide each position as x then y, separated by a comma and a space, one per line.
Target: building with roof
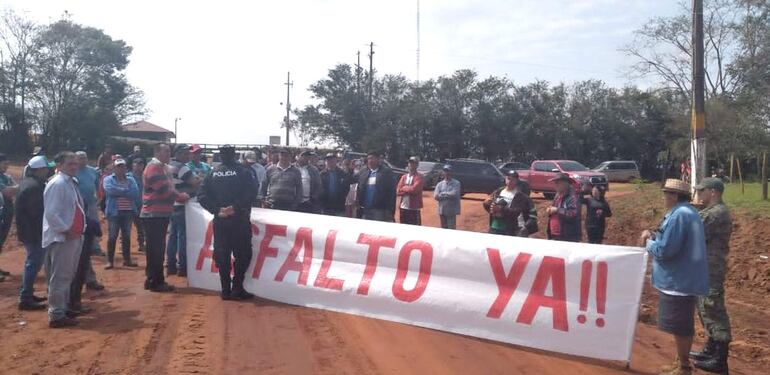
147, 131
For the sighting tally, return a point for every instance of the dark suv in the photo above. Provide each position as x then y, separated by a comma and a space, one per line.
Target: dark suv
476, 176
431, 172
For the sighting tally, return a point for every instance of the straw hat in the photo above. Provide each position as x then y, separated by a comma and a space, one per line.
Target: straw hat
676, 186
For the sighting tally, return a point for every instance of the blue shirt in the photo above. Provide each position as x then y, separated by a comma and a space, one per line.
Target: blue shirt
332, 188
88, 180
371, 189
679, 257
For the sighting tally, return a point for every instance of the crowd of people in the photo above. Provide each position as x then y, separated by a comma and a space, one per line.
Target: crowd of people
57, 209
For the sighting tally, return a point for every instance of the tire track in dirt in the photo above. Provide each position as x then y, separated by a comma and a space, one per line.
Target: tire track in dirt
190, 354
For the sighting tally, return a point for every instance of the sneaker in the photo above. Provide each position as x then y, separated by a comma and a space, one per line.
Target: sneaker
63, 322
130, 264
31, 306
109, 266
75, 311
39, 299
162, 288
94, 286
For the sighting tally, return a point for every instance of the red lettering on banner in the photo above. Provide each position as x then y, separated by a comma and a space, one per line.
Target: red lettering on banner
551, 270
265, 251
426, 262
323, 280
506, 284
374, 242
303, 240
206, 251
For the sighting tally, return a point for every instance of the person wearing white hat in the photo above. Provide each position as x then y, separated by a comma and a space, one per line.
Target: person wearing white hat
680, 269
121, 193
29, 229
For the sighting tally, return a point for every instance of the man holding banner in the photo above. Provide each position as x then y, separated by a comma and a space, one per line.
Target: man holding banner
227, 194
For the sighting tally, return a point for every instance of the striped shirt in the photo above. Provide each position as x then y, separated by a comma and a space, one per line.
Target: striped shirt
158, 195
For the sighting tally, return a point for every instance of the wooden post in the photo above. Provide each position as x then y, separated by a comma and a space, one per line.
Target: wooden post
732, 163
740, 175
764, 176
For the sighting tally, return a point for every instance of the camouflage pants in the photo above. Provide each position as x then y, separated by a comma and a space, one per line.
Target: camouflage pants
712, 310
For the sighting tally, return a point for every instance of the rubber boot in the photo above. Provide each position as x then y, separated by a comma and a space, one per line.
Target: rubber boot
718, 362
707, 352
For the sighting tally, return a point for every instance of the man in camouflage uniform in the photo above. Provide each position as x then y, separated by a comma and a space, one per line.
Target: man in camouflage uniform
711, 308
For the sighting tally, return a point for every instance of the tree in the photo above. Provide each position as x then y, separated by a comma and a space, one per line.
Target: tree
81, 92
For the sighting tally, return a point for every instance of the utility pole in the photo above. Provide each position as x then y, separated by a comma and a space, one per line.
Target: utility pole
371, 72
418, 42
288, 84
358, 72
698, 142
176, 133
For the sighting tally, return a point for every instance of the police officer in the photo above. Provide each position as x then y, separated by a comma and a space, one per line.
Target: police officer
227, 193
711, 308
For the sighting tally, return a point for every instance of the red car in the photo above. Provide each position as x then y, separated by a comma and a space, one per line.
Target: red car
541, 171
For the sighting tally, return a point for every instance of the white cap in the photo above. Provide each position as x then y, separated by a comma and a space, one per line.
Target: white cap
38, 162
120, 162
250, 156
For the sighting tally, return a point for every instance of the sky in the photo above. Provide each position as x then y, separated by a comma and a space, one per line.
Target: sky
221, 65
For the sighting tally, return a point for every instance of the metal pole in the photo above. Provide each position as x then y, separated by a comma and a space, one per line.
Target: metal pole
176, 134
288, 105
698, 143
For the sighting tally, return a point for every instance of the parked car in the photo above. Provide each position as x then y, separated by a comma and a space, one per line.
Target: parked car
619, 171
476, 176
542, 171
512, 166
431, 172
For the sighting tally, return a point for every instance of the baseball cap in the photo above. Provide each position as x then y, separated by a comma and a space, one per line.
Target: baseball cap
414, 159
38, 162
330, 155
195, 148
447, 167
250, 156
512, 174
120, 161
711, 183
181, 147
223, 149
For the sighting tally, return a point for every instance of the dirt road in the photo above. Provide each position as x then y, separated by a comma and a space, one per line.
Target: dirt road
133, 331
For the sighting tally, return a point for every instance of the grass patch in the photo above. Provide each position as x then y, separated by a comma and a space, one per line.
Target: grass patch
750, 200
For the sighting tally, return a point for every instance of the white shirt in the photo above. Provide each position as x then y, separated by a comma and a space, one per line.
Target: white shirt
405, 198
60, 198
305, 183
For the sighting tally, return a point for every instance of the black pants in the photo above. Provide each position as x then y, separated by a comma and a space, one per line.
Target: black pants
413, 217
76, 290
232, 237
155, 228
5, 222
595, 235
140, 238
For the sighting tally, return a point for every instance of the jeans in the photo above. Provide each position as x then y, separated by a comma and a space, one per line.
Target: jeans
140, 235
32, 265
120, 224
61, 262
448, 221
176, 250
155, 228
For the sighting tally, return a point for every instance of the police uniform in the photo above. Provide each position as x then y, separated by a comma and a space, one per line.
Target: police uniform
230, 184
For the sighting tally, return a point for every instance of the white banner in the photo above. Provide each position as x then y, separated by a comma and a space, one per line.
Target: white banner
571, 298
